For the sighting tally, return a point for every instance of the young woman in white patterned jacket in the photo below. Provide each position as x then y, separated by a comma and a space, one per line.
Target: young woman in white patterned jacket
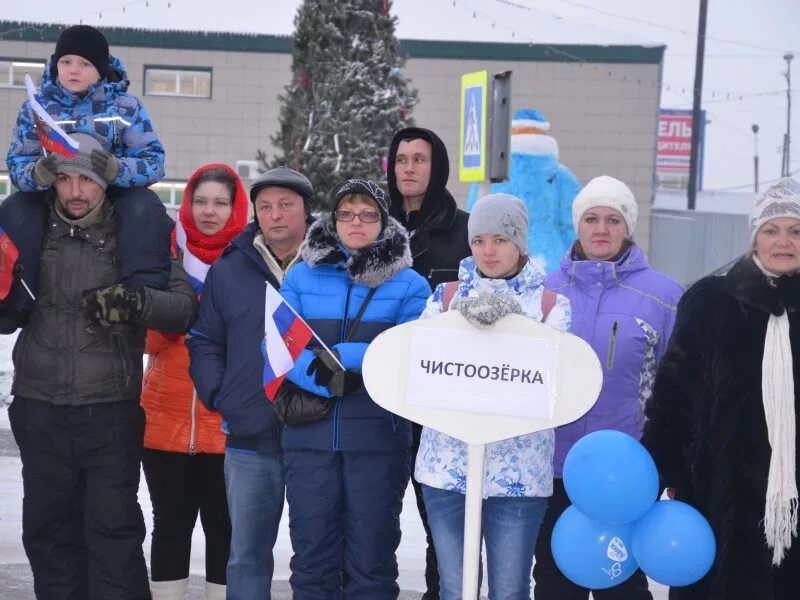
498, 279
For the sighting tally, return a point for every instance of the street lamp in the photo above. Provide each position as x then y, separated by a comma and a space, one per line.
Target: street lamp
787, 138
755, 156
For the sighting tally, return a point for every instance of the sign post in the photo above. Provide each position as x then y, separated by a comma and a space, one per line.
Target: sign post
481, 386
472, 157
484, 153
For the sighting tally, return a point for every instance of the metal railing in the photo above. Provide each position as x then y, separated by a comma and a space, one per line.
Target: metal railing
170, 192
6, 189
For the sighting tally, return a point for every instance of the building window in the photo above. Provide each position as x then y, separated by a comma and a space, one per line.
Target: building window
177, 81
12, 72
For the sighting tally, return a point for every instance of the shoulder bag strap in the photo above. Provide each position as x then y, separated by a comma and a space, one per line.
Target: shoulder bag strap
548, 302
354, 323
448, 293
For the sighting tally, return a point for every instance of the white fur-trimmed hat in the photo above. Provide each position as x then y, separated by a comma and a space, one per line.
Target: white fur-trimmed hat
530, 134
611, 193
781, 199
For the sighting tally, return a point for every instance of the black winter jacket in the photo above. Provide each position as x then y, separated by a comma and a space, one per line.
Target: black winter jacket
227, 366
707, 432
438, 229
60, 357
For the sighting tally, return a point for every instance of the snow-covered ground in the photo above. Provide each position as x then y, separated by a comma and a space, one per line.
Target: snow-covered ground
6, 374
410, 555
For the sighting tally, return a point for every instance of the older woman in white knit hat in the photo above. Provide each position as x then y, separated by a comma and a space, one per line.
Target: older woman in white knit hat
722, 422
499, 278
625, 310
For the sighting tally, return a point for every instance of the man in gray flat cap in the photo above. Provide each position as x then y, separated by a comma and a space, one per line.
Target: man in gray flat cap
227, 369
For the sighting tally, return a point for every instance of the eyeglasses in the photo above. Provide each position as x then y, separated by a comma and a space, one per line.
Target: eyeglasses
365, 216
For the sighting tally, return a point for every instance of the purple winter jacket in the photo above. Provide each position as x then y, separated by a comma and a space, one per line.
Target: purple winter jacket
626, 311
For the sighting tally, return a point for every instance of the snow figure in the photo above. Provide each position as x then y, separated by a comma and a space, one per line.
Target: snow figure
545, 185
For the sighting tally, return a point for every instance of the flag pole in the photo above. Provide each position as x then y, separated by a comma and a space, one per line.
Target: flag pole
314, 333
27, 289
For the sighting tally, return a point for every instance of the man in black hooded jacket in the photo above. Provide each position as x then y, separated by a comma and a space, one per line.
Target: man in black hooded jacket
417, 175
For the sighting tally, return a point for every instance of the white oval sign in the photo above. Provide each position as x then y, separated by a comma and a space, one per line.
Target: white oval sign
481, 386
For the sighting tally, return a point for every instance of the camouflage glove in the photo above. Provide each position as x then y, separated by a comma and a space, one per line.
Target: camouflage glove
116, 304
105, 164
485, 310
44, 171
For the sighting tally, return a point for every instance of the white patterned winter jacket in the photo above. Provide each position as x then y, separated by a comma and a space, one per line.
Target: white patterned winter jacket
517, 467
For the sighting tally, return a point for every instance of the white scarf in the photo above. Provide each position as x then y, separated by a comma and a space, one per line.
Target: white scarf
777, 391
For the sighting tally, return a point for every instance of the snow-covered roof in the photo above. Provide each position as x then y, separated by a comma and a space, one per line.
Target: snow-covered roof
440, 20
714, 201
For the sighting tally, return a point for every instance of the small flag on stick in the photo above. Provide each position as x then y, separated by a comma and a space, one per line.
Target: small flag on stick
51, 136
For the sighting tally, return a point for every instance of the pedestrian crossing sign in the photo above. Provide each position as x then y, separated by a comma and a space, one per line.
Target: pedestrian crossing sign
472, 138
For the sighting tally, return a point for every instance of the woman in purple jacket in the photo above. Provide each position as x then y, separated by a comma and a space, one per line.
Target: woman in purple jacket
626, 311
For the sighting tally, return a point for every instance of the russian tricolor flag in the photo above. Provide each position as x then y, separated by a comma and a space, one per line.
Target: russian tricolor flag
9, 253
285, 337
51, 136
195, 268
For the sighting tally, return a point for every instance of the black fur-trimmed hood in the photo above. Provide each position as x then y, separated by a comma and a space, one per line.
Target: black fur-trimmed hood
372, 265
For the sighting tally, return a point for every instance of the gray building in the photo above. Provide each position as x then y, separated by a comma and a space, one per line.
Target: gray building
213, 96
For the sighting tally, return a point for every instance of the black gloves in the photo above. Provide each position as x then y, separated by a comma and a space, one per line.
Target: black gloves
344, 383
324, 366
44, 171
115, 304
105, 164
329, 374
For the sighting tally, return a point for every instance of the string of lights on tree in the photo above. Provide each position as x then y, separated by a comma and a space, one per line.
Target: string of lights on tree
337, 117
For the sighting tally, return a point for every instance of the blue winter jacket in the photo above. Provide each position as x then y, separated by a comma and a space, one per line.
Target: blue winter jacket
117, 119
327, 290
227, 366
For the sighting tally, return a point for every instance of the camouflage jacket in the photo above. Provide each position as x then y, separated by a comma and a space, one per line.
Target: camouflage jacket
117, 119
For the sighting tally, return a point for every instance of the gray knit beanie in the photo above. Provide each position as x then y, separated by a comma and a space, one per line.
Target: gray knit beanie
81, 163
500, 214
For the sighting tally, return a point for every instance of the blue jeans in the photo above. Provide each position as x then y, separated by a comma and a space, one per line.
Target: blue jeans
255, 488
510, 527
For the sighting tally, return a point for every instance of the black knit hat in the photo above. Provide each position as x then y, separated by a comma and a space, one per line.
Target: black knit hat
84, 41
367, 188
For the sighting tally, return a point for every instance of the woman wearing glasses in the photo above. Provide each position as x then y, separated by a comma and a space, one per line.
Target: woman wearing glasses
346, 473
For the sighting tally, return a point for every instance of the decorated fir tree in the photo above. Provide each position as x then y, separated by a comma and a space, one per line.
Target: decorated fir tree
347, 97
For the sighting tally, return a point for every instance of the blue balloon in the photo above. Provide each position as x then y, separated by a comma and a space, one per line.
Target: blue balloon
674, 544
592, 554
609, 476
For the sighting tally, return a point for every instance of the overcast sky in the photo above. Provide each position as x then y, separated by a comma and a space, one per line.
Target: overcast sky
744, 54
